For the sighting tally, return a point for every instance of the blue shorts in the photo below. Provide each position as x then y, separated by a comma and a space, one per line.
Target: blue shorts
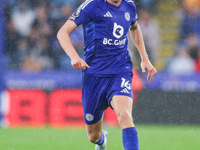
97, 93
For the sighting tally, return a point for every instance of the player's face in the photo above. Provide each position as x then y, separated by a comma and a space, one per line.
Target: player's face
114, 2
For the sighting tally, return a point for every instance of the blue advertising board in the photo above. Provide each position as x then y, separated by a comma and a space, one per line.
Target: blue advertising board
165, 81
46, 80
56, 79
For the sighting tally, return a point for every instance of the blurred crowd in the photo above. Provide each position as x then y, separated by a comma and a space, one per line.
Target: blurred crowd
187, 58
31, 29
32, 26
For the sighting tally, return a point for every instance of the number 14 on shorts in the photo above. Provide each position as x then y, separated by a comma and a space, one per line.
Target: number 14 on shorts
125, 85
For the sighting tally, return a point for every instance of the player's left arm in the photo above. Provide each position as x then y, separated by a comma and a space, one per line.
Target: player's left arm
137, 38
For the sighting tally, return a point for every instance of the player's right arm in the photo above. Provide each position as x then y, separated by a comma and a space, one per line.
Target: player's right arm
65, 42
84, 13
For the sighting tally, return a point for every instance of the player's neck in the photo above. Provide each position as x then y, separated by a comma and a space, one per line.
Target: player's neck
114, 2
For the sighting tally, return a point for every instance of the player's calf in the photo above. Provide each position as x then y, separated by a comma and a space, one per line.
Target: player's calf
94, 136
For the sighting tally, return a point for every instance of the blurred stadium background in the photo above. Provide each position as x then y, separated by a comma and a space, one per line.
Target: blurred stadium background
40, 100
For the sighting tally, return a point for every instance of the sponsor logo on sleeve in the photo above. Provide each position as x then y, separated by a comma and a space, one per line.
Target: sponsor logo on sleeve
81, 7
136, 16
76, 13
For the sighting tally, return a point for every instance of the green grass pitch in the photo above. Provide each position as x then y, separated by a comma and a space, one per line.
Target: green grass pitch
151, 137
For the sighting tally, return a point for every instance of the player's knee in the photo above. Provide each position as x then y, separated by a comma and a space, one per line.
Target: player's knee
94, 137
124, 118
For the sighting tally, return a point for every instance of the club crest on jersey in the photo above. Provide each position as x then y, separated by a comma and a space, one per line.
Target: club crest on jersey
127, 16
89, 117
118, 30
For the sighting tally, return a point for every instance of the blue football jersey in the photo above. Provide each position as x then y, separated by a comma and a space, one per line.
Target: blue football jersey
105, 29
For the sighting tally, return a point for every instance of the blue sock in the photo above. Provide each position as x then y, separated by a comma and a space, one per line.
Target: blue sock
130, 138
101, 140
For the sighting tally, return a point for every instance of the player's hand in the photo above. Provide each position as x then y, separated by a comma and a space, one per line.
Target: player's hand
78, 63
151, 70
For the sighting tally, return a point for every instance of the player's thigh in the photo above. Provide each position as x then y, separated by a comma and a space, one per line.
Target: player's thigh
122, 106
121, 103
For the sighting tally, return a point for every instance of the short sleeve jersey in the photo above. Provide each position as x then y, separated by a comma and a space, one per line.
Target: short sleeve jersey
105, 28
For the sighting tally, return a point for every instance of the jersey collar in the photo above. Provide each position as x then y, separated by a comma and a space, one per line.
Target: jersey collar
113, 6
